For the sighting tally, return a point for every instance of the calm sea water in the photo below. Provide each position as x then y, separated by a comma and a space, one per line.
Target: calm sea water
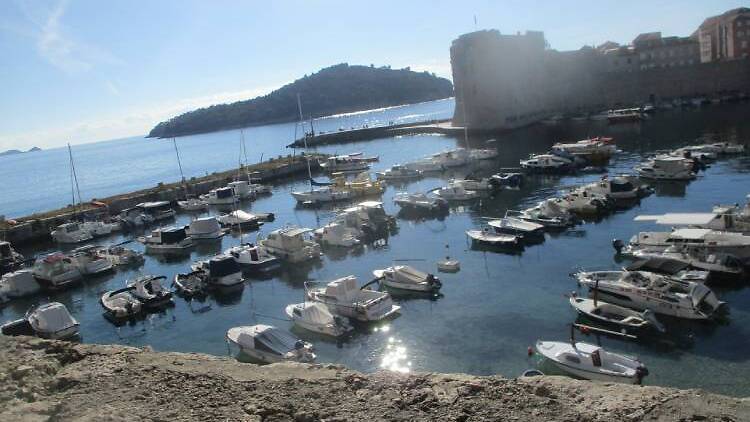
490, 311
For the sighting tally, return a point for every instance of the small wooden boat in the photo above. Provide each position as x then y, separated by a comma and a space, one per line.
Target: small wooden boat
611, 314
405, 277
591, 362
486, 237
121, 304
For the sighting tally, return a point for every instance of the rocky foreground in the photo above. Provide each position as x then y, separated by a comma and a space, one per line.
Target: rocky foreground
50, 380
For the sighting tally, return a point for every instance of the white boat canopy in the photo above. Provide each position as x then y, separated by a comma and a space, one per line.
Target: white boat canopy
680, 219
314, 312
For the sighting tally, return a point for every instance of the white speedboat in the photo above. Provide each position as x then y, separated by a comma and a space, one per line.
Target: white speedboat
205, 228
269, 344
367, 217
624, 115
221, 196
17, 284
10, 260
593, 149
661, 294
587, 361
483, 154
722, 265
322, 195
453, 158
134, 218
702, 240
291, 244
420, 201
89, 261
120, 256
337, 233
150, 292
455, 192
52, 320
398, 172
426, 165
191, 284
155, 211
583, 203
516, 226
254, 257
721, 217
343, 297
240, 219
223, 271
316, 317
615, 315
242, 189
618, 188
193, 204
547, 163
667, 168
100, 228
171, 240
121, 304
669, 267
405, 277
56, 270
71, 233
449, 265
489, 238
729, 148
535, 215
484, 184
345, 163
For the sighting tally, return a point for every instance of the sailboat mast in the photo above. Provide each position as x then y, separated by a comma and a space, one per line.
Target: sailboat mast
304, 137
75, 177
179, 162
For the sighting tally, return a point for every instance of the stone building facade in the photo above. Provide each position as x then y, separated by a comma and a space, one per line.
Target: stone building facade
725, 37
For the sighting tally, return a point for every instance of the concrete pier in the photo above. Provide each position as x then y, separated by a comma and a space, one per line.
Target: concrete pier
368, 133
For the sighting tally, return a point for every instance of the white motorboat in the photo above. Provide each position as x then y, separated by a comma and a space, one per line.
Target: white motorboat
193, 204
269, 344
615, 315
593, 149
455, 192
242, 189
56, 270
17, 284
507, 180
667, 168
722, 265
205, 228
722, 217
120, 256
420, 201
449, 265
220, 196
345, 163
100, 228
89, 261
587, 361
135, 217
240, 219
489, 238
534, 215
71, 233
290, 244
661, 294
426, 165
483, 154
170, 240
316, 317
703, 240
343, 297
223, 271
398, 172
367, 217
484, 184
729, 148
121, 304
701, 152
617, 188
669, 267
191, 284
254, 257
547, 163
150, 292
552, 207
516, 226
624, 115
405, 277
52, 320
10, 260
453, 158
336, 233
582, 203
322, 195
155, 211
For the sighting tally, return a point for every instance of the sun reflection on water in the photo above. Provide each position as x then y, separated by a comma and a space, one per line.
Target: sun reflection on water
395, 356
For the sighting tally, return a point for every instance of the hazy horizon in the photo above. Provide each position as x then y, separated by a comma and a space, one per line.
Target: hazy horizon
78, 72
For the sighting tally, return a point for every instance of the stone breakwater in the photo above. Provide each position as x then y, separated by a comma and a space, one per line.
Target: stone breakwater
37, 227
52, 380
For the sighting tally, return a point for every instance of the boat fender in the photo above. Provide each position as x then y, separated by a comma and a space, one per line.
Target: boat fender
530, 351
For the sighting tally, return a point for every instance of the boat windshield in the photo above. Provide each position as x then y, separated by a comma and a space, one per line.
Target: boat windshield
275, 341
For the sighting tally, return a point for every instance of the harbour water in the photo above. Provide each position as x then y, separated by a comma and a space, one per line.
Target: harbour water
488, 313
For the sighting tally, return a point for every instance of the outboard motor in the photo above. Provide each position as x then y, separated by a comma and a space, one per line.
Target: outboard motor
618, 245
434, 281
640, 373
299, 344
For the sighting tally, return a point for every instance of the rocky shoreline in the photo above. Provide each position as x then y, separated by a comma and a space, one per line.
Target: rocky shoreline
52, 380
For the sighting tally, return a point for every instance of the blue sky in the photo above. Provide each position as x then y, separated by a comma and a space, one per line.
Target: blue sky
85, 70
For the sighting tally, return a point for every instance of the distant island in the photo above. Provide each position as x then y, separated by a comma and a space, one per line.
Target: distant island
336, 89
18, 151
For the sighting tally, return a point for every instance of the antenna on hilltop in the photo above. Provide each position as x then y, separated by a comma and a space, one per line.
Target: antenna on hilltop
475, 23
